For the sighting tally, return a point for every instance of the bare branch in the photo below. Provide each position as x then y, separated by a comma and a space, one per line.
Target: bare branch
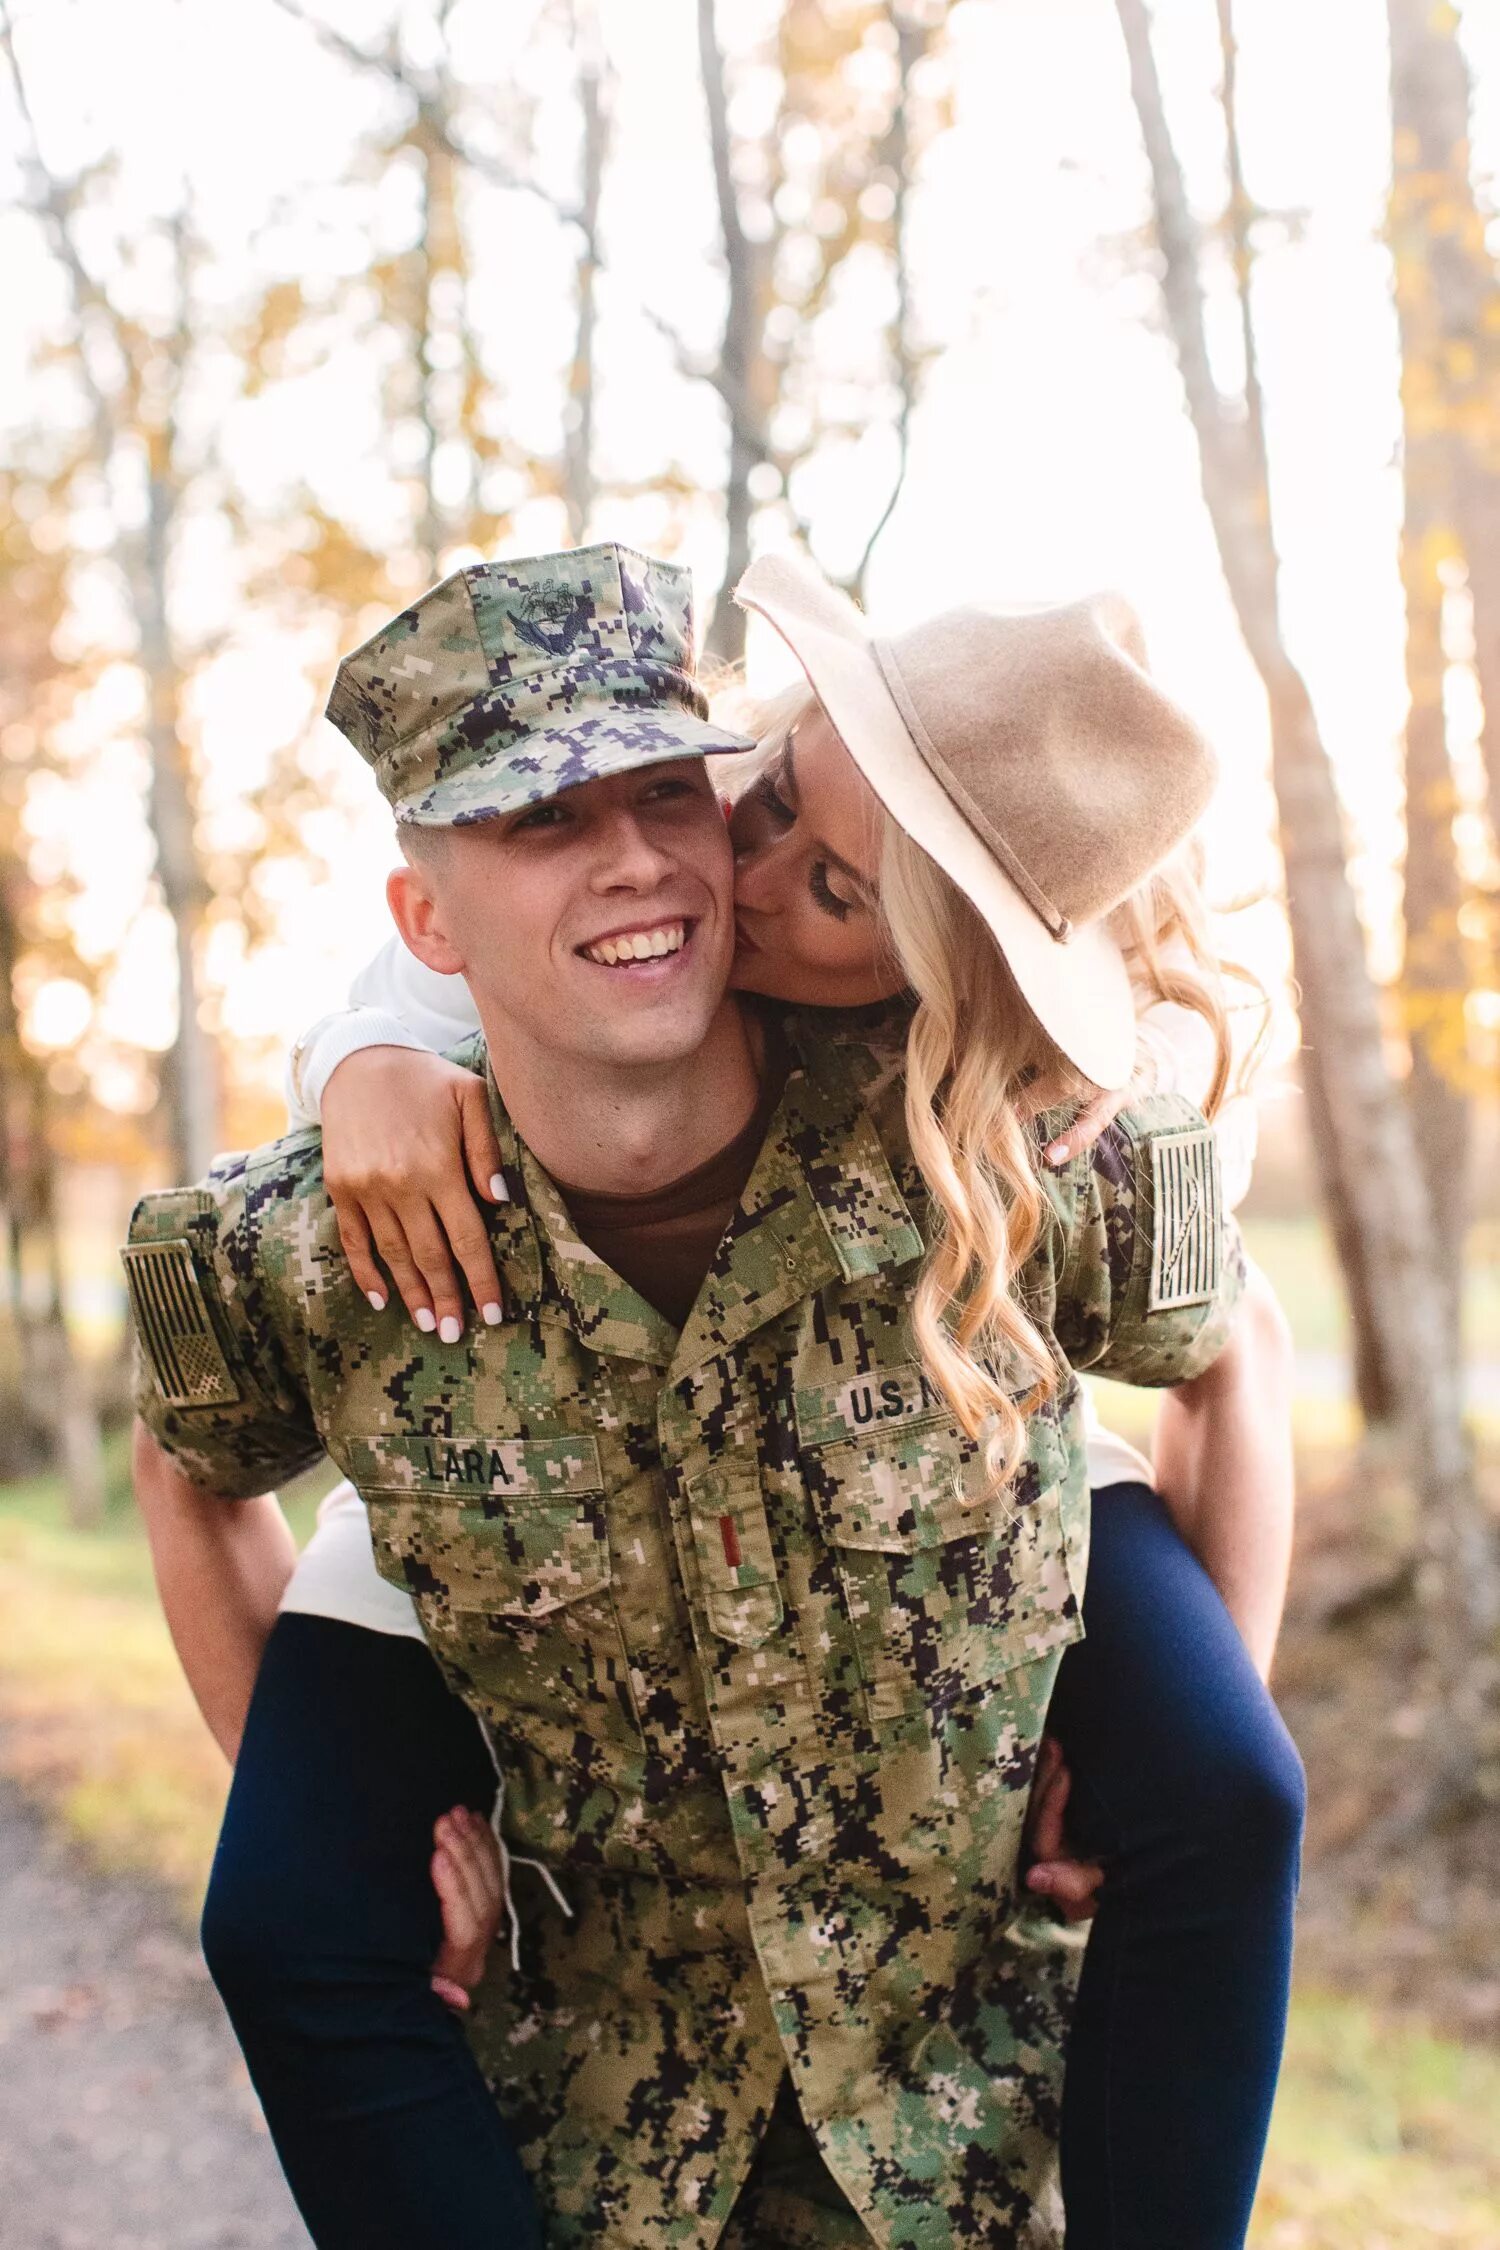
1237, 219
52, 203
1234, 478
912, 41
711, 61
389, 65
594, 102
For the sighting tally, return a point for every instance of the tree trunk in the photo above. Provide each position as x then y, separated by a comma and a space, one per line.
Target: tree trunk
578, 436
739, 353
47, 1413
1377, 1157
1429, 180
1446, 278
1377, 1385
193, 1075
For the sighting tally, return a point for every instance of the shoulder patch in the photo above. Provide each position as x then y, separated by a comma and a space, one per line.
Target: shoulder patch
176, 1325
1186, 1219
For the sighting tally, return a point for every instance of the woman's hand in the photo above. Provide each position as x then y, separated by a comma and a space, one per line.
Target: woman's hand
467, 1878
1101, 1112
1088, 1125
399, 1127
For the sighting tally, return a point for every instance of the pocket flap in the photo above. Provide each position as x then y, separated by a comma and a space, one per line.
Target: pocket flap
736, 1561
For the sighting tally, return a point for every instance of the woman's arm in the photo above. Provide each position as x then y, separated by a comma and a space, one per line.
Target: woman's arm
408, 1142
394, 1001
221, 1568
1224, 1467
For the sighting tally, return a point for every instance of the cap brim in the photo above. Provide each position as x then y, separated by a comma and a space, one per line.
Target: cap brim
550, 762
1077, 988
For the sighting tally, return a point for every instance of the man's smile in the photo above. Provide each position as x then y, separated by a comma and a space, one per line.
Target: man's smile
647, 943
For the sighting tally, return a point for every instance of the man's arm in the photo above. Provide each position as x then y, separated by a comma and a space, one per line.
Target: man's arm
1223, 1465
221, 1566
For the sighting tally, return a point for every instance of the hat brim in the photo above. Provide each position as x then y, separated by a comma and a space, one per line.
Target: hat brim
1077, 988
617, 739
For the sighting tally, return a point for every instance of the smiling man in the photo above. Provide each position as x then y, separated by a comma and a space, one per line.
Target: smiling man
768, 1737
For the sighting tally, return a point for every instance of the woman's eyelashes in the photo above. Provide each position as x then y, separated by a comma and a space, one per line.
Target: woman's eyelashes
824, 893
769, 798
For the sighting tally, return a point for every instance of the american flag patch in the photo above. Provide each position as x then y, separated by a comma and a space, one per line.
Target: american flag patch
175, 1325
1187, 1221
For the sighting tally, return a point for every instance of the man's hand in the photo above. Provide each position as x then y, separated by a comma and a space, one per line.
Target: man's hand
467, 1877
1071, 1884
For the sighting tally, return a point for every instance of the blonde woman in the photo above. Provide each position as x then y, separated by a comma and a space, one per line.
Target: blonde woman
858, 879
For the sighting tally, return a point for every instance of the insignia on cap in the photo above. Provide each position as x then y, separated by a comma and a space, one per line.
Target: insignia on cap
176, 1327
1185, 1181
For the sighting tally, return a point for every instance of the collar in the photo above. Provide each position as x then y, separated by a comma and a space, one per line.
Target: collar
549, 1271
822, 1203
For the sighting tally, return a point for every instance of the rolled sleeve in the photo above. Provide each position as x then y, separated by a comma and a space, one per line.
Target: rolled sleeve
214, 1383
1155, 1264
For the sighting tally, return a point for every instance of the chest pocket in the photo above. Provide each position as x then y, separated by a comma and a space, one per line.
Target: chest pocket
505, 1550
948, 1585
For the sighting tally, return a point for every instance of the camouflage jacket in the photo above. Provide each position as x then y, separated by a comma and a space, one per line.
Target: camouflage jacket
764, 1665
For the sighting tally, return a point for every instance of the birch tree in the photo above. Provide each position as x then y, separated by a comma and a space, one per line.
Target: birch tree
1368, 1154
48, 1413
830, 174
1436, 256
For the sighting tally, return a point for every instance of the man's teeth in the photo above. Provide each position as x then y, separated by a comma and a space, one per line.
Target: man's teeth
639, 945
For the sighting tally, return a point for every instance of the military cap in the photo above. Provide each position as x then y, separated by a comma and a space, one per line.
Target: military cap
512, 681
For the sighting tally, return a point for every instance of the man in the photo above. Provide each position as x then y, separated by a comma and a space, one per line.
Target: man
770, 1738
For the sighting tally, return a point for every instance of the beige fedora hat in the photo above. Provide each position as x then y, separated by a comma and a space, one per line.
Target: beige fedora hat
1032, 756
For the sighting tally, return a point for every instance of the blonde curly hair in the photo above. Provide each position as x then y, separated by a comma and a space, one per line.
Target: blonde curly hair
978, 1069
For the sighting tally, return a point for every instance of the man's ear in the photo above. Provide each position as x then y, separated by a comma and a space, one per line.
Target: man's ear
416, 914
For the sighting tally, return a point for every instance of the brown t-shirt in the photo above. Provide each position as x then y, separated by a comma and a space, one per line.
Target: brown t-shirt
663, 1243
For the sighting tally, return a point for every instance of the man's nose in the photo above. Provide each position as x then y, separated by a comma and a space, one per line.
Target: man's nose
629, 858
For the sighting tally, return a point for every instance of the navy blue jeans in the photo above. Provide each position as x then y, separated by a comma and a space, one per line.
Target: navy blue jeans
1187, 1785
321, 1924
320, 1927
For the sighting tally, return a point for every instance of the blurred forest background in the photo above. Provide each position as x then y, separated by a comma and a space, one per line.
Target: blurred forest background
312, 301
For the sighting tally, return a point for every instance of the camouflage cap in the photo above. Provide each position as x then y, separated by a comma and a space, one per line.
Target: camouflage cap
512, 681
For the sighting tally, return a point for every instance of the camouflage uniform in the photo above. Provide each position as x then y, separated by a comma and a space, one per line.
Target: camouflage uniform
764, 1665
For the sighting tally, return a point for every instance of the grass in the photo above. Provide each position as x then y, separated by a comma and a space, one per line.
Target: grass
98, 1719
1383, 2137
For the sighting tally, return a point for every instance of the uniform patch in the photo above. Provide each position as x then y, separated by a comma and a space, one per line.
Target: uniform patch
1188, 1226
498, 1469
176, 1327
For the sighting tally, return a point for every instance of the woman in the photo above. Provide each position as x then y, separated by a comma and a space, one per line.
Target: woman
1182, 1778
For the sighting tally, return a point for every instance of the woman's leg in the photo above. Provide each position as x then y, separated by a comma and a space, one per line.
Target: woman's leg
320, 1928
1187, 1786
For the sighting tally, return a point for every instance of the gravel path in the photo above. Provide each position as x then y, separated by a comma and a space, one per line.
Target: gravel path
126, 2119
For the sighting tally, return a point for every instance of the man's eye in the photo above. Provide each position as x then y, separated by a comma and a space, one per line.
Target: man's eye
538, 816
825, 894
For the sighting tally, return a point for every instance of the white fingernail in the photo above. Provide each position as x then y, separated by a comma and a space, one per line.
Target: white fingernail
450, 1329
498, 1188
376, 1299
491, 1315
425, 1320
